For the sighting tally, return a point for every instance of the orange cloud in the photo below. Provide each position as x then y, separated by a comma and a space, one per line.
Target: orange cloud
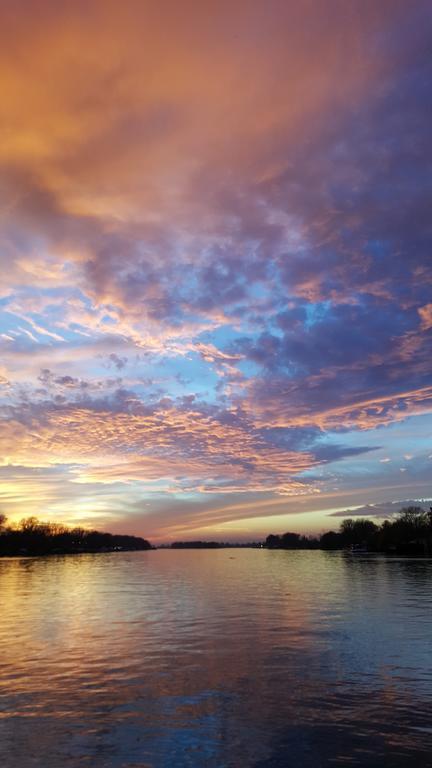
360, 413
116, 123
170, 444
426, 316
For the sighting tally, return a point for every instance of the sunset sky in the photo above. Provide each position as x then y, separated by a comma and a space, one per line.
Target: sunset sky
216, 263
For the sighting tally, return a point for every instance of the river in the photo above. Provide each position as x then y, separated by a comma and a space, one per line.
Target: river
228, 658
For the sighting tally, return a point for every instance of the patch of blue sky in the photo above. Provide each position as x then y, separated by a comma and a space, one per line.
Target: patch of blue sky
83, 297
261, 302
413, 435
222, 337
248, 368
159, 490
14, 328
316, 312
80, 330
43, 308
74, 333
397, 446
4, 301
179, 376
31, 328
277, 331
259, 290
108, 320
8, 322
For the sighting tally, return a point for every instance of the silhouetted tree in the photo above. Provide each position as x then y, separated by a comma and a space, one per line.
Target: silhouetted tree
196, 545
290, 540
360, 531
331, 540
273, 542
410, 533
32, 537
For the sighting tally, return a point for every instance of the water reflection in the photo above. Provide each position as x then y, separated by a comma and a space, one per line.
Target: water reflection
213, 659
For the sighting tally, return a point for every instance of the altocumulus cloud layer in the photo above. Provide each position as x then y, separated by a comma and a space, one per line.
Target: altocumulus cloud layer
215, 302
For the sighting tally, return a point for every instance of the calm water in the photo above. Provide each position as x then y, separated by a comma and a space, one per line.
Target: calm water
217, 658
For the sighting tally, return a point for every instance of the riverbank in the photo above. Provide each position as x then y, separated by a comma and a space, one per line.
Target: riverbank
31, 538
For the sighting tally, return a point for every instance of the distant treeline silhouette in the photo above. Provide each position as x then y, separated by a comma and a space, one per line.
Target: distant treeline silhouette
209, 545
196, 545
32, 537
410, 533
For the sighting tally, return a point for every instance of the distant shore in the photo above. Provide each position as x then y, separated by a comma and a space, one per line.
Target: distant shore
32, 538
409, 533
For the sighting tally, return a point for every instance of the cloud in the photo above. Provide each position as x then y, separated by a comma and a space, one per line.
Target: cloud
426, 316
123, 439
118, 362
215, 238
382, 510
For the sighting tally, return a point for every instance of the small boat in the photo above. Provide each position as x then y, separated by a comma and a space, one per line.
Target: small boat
358, 549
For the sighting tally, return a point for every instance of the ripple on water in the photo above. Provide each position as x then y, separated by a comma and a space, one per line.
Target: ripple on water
204, 659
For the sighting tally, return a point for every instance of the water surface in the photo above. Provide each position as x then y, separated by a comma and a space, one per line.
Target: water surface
231, 658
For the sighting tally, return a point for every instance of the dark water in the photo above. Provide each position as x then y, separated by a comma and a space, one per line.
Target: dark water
218, 658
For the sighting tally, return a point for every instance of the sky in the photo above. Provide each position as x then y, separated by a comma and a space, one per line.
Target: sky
215, 263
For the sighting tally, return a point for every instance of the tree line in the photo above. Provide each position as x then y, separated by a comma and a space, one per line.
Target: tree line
32, 537
409, 533
198, 544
